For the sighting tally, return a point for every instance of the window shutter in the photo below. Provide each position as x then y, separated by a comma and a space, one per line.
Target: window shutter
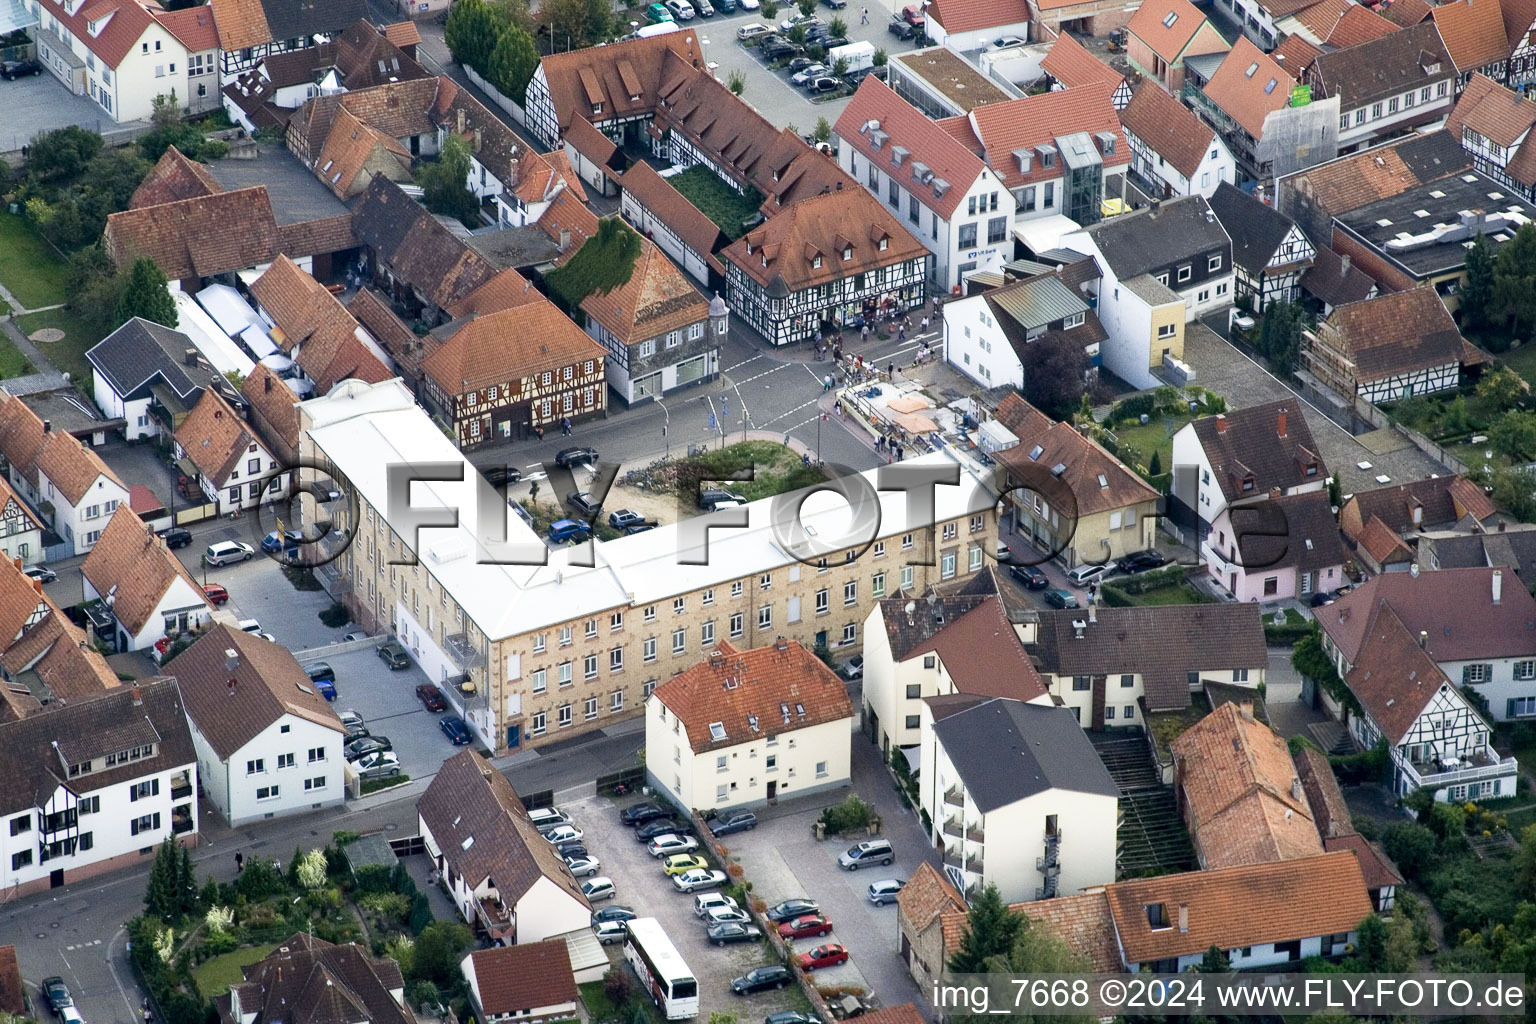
133, 793
1509, 708
1466, 675
154, 787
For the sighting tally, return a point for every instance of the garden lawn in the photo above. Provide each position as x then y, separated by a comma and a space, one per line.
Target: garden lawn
1180, 594
1523, 361
215, 976
67, 355
30, 269
1156, 436
12, 362
600, 1008
716, 200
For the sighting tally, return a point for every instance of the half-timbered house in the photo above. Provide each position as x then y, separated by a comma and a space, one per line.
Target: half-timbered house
1390, 347
21, 532
1436, 740
1269, 252
1493, 124
824, 260
1520, 41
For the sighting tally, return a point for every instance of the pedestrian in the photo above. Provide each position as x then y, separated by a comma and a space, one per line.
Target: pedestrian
539, 430
786, 439
864, 333
839, 410
837, 353
890, 371
902, 334
925, 325
239, 862
864, 18
278, 865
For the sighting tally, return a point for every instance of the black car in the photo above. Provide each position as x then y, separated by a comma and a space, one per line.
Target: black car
759, 979
176, 537
725, 6
500, 476
733, 931
710, 497
57, 994
659, 827
614, 913
14, 69
320, 671
732, 821
790, 1017
364, 745
778, 49
858, 75
1141, 561
457, 732
899, 28
798, 64
1029, 577
571, 850
575, 456
584, 502
639, 814
791, 909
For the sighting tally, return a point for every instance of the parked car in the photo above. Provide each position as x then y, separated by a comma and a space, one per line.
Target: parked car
500, 476
805, 925
176, 537
548, 817
913, 15
353, 637
755, 30
704, 902
378, 765
732, 821
457, 732
228, 552
670, 843
431, 697
791, 1017
563, 834
704, 7
828, 954
581, 867
609, 932
1061, 598
639, 814
14, 69
1242, 322
625, 517
733, 931
796, 18
836, 5
564, 530
1029, 577
598, 888
726, 6
320, 671
634, 528
581, 454
1004, 42
1141, 561
1084, 575
807, 73
681, 10
658, 827
858, 75
899, 28
216, 594
365, 745
774, 49
41, 573
759, 979
862, 855
657, 14
885, 890
394, 655
57, 994
790, 909
853, 668
614, 913
285, 540
571, 850
351, 721
584, 502
714, 497
681, 862
698, 878
723, 914
799, 64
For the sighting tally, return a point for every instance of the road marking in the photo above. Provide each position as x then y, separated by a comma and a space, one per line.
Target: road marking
791, 412
744, 362
112, 967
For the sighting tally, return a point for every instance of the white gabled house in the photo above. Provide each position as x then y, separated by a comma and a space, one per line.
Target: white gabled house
146, 594
234, 468
1173, 150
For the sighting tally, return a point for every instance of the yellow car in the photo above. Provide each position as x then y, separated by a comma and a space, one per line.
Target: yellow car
680, 862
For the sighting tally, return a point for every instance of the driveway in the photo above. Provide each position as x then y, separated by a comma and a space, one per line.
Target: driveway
643, 887
40, 103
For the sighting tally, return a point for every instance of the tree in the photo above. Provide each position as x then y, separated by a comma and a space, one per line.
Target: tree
823, 130
1280, 335
444, 183
839, 69
471, 32
1215, 961
737, 82
1410, 845
617, 987
1525, 861
807, 7
1335, 492
1477, 289
160, 894
62, 153
169, 130
1155, 467
1054, 369
566, 18
797, 34
600, 25
144, 294
1513, 490
512, 63
1498, 390
838, 27
1514, 279
1035, 950
770, 9
439, 949
991, 931
1514, 435
881, 58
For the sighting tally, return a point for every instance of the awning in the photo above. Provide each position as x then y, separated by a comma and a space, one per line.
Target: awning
915, 423
907, 403
277, 362
1042, 233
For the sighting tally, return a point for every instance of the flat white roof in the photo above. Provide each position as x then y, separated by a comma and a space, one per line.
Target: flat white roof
236, 318
1040, 234
362, 429
209, 339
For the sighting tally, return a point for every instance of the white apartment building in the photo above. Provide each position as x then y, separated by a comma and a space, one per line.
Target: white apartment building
585, 634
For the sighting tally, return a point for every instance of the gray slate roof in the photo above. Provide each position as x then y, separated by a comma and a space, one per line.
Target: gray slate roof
1256, 228
1135, 243
140, 351
1006, 751
290, 19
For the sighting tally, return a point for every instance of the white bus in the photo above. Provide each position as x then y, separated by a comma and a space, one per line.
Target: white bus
661, 969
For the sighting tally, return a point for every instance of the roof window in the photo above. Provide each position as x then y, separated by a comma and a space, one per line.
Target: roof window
1170, 18
1253, 69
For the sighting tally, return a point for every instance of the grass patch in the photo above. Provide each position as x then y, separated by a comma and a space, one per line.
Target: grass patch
1156, 436
1295, 626
599, 1007
1168, 726
1523, 361
79, 336
29, 267
717, 200
374, 785
214, 977
12, 362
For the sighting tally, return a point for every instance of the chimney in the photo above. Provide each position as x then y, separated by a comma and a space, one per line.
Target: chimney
1093, 613
1344, 265
1498, 585
37, 585
1295, 789
47, 426
189, 357
1423, 639
17, 563
138, 697
477, 140
1280, 423
1183, 917
268, 382
1502, 525
1246, 709
1221, 423
461, 120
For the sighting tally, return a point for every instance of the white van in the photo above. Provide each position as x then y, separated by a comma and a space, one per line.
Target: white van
871, 851
228, 552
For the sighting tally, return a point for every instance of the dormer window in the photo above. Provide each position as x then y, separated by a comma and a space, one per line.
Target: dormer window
1047, 156
1025, 159
1157, 916
1311, 469
815, 262
885, 243
1075, 320
597, 108
1247, 484
847, 252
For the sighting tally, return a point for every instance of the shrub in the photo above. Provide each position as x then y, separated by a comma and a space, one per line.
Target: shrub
424, 996
617, 986
336, 615
311, 870
853, 813
219, 919
402, 950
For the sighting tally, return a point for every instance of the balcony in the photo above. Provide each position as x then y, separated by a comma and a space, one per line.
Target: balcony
1047, 866
496, 917
973, 864
975, 834
952, 827
955, 797
182, 821
953, 857
462, 652
1441, 772
181, 786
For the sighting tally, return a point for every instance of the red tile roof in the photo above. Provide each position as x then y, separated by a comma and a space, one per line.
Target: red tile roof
1240, 87
1072, 64
1376, 867
508, 345
984, 656
1454, 606
876, 110
1400, 332
658, 196
999, 129
1085, 461
136, 567
1393, 677
1169, 127
926, 896
1295, 53
174, 178
606, 75
241, 23
1519, 16
1473, 33
742, 695
1167, 27
119, 23
214, 437
193, 27
970, 15
1359, 25
1408, 13
529, 976
1501, 115
403, 33
201, 237
822, 228
1383, 545
1250, 905
655, 300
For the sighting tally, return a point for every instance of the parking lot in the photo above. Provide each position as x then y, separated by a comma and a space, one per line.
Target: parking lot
40, 103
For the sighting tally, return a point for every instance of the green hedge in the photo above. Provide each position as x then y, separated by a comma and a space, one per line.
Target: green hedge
1167, 576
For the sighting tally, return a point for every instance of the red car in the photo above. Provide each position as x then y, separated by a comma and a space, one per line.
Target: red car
216, 593
829, 955
914, 16
807, 924
432, 697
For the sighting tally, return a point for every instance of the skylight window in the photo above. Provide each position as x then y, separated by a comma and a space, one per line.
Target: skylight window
1036, 452
1253, 69
1271, 86
717, 730
1170, 18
